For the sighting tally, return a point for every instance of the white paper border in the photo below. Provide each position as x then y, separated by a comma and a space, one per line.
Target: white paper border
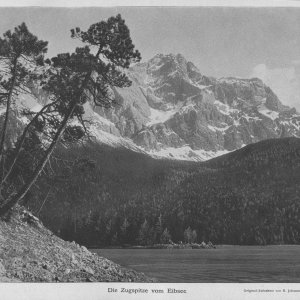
112, 3
99, 291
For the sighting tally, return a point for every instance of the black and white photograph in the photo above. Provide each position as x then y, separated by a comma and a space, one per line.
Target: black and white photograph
150, 144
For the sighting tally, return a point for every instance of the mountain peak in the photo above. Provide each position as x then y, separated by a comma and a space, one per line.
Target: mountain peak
169, 55
172, 110
171, 65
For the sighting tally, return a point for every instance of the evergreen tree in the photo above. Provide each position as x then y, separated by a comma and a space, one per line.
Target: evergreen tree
21, 57
20, 51
165, 237
194, 236
124, 230
158, 230
85, 75
115, 239
125, 226
188, 235
143, 238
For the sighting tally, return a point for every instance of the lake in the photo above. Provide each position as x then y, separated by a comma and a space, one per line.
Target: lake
224, 264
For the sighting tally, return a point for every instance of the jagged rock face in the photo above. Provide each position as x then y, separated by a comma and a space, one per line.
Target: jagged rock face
171, 109
172, 105
130, 113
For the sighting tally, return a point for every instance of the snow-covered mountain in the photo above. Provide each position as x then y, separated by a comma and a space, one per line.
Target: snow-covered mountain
172, 110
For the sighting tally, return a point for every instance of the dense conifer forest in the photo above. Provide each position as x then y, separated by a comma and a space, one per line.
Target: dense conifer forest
101, 196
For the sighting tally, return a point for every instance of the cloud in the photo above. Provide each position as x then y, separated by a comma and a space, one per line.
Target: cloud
285, 82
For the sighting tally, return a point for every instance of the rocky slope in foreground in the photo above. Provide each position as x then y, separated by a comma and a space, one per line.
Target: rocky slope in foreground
31, 253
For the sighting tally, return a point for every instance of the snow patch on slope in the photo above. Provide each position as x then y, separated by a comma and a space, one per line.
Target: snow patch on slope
215, 128
159, 116
263, 110
186, 153
225, 109
104, 137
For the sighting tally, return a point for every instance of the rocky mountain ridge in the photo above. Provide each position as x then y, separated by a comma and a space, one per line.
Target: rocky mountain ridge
172, 110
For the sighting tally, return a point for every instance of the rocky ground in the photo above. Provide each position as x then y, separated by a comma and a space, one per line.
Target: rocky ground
31, 253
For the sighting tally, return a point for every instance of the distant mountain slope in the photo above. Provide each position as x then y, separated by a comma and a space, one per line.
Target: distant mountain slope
172, 110
249, 196
275, 151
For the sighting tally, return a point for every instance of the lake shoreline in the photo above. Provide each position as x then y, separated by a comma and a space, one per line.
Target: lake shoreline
203, 245
216, 246
226, 263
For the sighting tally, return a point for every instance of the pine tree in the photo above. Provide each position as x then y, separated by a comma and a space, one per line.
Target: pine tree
73, 79
188, 235
20, 52
165, 237
21, 58
124, 230
143, 238
194, 236
158, 229
115, 239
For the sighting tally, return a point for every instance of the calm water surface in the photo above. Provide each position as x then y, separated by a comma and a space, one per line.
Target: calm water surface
224, 264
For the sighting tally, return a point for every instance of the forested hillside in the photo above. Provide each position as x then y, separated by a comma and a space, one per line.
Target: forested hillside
81, 138
101, 196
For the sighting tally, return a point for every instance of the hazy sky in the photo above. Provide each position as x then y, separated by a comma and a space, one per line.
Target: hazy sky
244, 42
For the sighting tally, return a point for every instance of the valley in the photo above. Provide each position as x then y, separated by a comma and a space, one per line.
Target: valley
118, 196
147, 161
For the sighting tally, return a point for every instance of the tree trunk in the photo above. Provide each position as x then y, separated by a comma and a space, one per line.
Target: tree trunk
21, 142
8, 104
45, 199
16, 198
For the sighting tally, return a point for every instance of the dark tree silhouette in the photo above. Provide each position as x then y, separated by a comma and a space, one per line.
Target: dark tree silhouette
19, 51
85, 75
